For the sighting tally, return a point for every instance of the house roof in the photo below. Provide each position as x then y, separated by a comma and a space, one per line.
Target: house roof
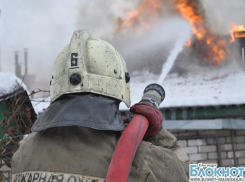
9, 83
209, 87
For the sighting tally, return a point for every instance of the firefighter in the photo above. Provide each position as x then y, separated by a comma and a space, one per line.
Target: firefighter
73, 140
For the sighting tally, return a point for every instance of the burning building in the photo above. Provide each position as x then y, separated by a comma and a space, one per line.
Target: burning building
210, 129
208, 45
130, 24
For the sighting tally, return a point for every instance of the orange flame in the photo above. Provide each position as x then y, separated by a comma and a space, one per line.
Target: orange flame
237, 31
188, 12
142, 14
216, 47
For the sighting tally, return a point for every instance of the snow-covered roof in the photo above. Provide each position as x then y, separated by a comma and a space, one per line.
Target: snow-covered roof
8, 83
208, 87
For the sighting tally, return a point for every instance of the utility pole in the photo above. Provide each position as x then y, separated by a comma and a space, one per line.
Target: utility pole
26, 61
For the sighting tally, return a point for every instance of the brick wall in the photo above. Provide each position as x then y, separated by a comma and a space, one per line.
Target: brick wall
205, 150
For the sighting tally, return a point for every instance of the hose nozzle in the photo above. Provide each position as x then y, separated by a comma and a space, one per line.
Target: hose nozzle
154, 94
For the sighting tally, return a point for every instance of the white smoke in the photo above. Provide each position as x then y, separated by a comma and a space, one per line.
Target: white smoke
182, 38
221, 13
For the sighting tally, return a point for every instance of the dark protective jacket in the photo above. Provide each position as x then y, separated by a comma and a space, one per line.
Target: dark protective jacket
71, 153
82, 154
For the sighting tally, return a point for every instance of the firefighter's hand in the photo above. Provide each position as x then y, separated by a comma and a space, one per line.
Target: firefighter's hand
153, 115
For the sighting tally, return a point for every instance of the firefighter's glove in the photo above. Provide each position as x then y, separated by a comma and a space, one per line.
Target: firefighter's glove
153, 115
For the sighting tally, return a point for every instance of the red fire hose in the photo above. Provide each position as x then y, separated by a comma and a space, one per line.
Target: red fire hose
126, 148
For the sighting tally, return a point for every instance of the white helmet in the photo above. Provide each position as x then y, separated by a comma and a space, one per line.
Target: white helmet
90, 65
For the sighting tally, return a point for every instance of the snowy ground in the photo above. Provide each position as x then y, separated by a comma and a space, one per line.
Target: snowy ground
201, 88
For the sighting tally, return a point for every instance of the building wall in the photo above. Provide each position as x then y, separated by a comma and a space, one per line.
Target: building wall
205, 150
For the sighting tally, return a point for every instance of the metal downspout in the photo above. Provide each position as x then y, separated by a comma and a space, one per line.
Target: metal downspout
233, 147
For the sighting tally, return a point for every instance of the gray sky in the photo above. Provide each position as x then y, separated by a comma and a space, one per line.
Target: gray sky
46, 26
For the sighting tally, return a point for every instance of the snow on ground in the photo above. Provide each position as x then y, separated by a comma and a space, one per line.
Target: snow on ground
9, 82
208, 87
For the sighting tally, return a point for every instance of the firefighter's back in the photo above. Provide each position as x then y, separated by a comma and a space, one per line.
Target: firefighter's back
64, 153
67, 154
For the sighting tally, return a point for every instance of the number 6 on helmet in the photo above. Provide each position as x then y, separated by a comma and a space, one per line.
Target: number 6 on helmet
89, 65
